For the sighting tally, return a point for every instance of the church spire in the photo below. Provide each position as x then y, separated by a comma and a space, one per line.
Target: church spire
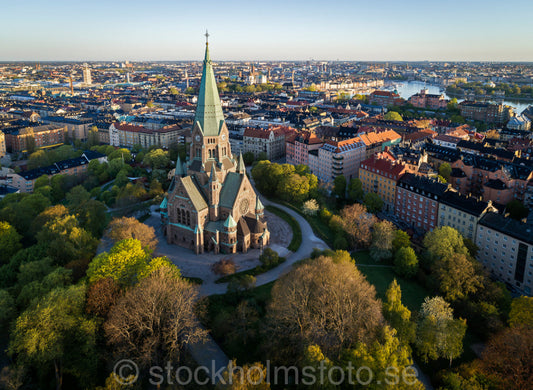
240, 166
179, 168
209, 114
213, 177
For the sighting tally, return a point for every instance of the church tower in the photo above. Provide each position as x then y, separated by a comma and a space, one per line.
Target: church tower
210, 137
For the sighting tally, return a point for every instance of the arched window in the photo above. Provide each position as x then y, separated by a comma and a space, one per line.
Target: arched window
188, 218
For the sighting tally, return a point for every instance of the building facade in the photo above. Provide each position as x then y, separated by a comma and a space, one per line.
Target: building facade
211, 205
337, 158
126, 135
299, 145
381, 175
506, 250
270, 141
417, 201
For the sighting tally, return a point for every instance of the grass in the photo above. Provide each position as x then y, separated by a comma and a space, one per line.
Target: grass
413, 294
320, 228
260, 269
295, 226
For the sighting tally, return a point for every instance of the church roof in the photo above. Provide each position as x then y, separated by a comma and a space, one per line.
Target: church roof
230, 222
230, 189
209, 113
194, 193
242, 227
163, 204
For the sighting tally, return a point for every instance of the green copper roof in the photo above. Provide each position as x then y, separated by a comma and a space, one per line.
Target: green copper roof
208, 110
179, 168
230, 222
230, 189
194, 193
163, 204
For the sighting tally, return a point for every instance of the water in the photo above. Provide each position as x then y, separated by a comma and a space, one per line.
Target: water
407, 89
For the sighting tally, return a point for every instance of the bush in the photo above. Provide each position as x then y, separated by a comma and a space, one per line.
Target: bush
269, 258
224, 267
340, 243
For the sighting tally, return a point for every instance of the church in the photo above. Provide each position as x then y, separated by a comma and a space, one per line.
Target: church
211, 205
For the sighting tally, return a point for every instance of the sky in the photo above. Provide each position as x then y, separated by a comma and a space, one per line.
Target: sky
372, 30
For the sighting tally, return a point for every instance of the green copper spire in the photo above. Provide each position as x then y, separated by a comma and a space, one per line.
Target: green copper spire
179, 168
208, 110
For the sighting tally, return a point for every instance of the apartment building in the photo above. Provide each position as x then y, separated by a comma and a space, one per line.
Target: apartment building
381, 175
385, 98
126, 135
299, 145
270, 141
423, 99
19, 139
462, 212
417, 201
377, 141
485, 112
506, 250
75, 128
336, 158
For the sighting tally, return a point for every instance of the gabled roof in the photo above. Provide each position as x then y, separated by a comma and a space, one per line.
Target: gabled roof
194, 193
209, 113
230, 189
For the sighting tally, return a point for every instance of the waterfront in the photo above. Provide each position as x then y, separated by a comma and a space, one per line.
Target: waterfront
407, 89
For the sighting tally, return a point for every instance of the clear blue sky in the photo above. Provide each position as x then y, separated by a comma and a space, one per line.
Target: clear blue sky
271, 30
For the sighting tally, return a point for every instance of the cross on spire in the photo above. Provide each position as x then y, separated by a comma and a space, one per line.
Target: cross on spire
206, 37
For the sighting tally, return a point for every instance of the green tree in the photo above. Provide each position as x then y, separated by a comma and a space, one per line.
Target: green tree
7, 309
9, 242
393, 116
355, 190
388, 360
157, 159
401, 240
93, 137
398, 315
445, 170
406, 262
126, 263
54, 333
339, 186
373, 202
315, 358
439, 335
443, 242
457, 276
517, 210
521, 313
248, 158
382, 236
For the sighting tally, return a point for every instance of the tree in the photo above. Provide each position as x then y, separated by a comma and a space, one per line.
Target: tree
101, 296
398, 316
373, 202
387, 359
406, 262
157, 159
127, 262
55, 333
443, 242
382, 236
521, 313
508, 356
9, 242
310, 207
439, 335
321, 302
393, 116
517, 210
339, 186
457, 276
93, 137
155, 319
123, 228
248, 158
248, 377
7, 309
357, 223
445, 170
401, 240
269, 258
224, 267
355, 190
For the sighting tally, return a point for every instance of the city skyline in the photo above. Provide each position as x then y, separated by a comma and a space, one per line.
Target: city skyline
346, 31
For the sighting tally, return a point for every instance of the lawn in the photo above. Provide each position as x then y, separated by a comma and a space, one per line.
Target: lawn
413, 294
260, 269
